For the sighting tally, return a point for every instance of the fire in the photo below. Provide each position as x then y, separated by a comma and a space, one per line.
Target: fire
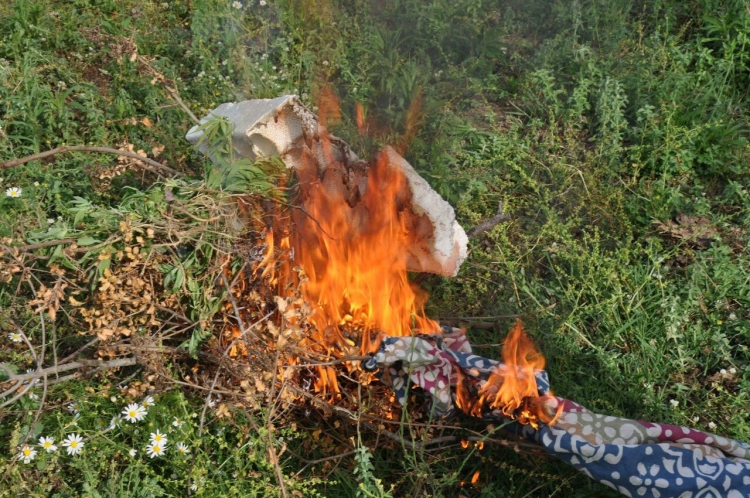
355, 262
351, 244
511, 387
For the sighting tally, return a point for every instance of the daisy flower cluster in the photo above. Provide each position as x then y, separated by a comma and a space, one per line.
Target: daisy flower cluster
73, 444
133, 412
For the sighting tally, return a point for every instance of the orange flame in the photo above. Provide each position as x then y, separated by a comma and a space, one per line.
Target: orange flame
512, 387
355, 260
352, 244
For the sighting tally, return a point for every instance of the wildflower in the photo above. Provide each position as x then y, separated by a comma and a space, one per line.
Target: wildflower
33, 396
147, 402
178, 422
14, 192
15, 337
182, 449
262, 3
711, 425
194, 487
158, 438
210, 402
674, 403
732, 370
134, 413
27, 453
72, 407
723, 371
155, 449
115, 422
36, 184
132, 452
50, 221
48, 444
73, 444
237, 5
732, 316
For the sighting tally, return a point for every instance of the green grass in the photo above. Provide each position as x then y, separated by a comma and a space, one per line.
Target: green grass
611, 131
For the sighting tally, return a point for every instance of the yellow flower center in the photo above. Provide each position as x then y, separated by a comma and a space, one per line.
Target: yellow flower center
47, 444
157, 449
131, 413
74, 444
26, 451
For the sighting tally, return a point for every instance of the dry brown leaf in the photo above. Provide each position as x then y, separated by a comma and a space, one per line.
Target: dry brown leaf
694, 230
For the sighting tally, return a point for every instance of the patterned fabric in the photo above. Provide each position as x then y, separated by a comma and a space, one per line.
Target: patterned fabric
636, 458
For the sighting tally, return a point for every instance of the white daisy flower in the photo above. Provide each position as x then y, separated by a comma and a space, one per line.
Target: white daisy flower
27, 453
48, 444
15, 337
73, 444
194, 487
72, 407
237, 5
158, 438
33, 396
115, 422
14, 192
134, 413
712, 425
182, 449
148, 402
132, 452
155, 449
178, 422
674, 403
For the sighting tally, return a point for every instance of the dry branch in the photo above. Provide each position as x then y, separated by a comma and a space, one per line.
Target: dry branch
488, 225
38, 374
155, 167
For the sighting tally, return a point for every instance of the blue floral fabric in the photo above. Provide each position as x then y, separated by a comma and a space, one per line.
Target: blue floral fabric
636, 458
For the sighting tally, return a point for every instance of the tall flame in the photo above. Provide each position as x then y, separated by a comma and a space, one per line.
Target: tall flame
355, 260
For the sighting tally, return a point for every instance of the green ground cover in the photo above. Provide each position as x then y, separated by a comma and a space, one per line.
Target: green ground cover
614, 133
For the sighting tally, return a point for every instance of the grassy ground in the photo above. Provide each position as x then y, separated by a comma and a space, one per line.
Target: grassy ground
615, 134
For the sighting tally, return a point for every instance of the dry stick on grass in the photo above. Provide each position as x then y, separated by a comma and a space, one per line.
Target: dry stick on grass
45, 372
147, 163
477, 322
172, 91
488, 225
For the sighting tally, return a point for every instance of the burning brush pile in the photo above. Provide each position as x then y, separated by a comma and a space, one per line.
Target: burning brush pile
334, 262
338, 259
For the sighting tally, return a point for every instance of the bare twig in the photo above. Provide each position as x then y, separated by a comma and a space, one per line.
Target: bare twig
40, 245
155, 167
488, 225
309, 463
79, 350
172, 91
486, 322
37, 374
